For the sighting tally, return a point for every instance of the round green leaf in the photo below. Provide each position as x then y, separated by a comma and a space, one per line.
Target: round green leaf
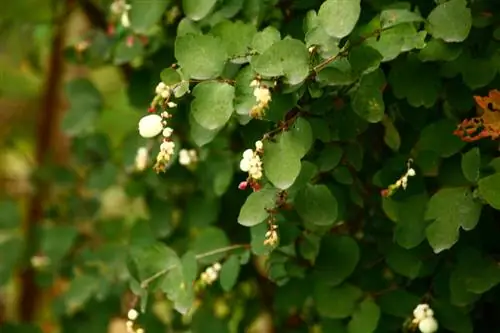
145, 14
265, 39
338, 302
213, 104
316, 205
392, 17
368, 101
288, 57
471, 162
347, 254
229, 273
365, 318
209, 239
489, 189
236, 38
339, 17
450, 21
281, 162
200, 57
197, 9
450, 209
253, 210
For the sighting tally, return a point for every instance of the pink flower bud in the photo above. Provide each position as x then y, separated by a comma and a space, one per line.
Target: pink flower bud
243, 185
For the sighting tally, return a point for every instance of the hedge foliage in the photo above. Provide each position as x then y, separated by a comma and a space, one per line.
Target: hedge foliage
313, 166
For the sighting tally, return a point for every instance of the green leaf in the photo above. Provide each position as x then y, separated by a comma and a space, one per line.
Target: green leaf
398, 303
189, 267
145, 14
471, 162
339, 17
410, 218
450, 209
212, 106
281, 162
236, 38
11, 250
10, 216
208, 240
199, 134
391, 135
442, 132
437, 50
329, 158
478, 274
365, 318
316, 35
125, 52
197, 9
450, 21
199, 56
418, 82
80, 291
56, 241
337, 302
316, 205
396, 40
346, 252
392, 17
489, 189
229, 273
288, 57
404, 262
364, 59
102, 177
85, 107
300, 135
264, 39
253, 210
147, 261
170, 76
368, 101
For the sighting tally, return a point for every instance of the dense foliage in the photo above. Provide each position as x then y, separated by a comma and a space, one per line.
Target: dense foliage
280, 166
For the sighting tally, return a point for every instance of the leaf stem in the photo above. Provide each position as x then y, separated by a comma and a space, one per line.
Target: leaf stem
145, 283
221, 250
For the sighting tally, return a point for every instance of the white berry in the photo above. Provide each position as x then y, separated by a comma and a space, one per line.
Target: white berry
150, 126
428, 325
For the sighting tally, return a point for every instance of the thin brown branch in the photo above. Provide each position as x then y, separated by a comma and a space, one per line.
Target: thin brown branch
46, 128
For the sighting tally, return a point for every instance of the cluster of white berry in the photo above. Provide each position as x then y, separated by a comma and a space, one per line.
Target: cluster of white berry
423, 316
120, 8
271, 237
132, 315
152, 125
211, 274
251, 161
262, 96
401, 182
188, 157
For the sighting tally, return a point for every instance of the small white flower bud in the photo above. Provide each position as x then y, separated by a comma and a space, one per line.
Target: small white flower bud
411, 172
428, 325
167, 132
217, 266
165, 93
244, 165
254, 83
165, 114
141, 158
259, 145
132, 314
171, 104
420, 311
160, 88
168, 147
150, 126
248, 154
184, 158
125, 20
